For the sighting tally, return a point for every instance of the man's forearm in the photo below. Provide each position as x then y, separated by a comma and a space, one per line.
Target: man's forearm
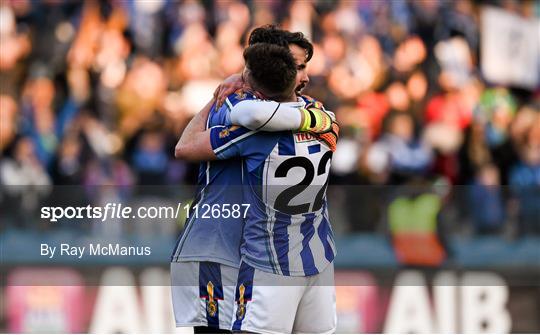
194, 144
267, 115
274, 116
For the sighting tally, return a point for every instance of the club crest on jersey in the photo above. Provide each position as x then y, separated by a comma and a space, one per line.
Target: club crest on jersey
227, 131
240, 95
224, 133
303, 137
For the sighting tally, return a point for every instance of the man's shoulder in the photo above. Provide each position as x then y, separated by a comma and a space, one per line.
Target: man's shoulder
219, 116
239, 96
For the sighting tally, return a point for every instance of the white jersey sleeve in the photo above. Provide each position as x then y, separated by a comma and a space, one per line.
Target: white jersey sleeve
267, 115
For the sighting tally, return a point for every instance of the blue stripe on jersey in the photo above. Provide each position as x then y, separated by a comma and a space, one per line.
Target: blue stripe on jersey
314, 148
210, 275
216, 179
286, 146
245, 279
281, 244
324, 234
307, 230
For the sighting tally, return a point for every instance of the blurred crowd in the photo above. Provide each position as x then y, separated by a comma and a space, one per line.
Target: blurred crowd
98, 92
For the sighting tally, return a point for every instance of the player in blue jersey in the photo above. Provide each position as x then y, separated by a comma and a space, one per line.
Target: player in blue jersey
205, 261
286, 274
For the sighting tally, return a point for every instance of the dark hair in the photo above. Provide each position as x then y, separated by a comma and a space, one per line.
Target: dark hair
272, 69
268, 34
273, 35
299, 39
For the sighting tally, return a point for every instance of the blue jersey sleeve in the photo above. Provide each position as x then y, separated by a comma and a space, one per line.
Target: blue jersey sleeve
234, 141
228, 141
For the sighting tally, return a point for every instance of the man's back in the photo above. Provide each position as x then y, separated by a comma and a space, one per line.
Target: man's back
287, 230
205, 262
207, 237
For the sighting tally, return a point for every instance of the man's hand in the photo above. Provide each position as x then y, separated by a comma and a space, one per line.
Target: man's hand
316, 119
319, 105
230, 85
330, 134
331, 137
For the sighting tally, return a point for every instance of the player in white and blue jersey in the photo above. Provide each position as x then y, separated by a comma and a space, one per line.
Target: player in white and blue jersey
288, 173
286, 275
206, 258
288, 246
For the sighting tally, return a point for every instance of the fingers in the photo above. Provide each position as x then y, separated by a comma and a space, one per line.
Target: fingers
319, 105
217, 90
219, 98
228, 90
225, 89
315, 120
224, 92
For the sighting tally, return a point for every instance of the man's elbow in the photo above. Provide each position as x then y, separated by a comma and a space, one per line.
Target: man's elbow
190, 154
256, 120
181, 152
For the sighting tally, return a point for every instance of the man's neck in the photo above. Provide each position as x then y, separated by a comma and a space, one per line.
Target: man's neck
291, 98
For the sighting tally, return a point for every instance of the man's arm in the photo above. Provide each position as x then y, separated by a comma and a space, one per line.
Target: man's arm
194, 144
269, 115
